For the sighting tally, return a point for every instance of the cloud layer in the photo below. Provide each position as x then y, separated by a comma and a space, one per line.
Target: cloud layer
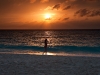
57, 6
87, 12
67, 13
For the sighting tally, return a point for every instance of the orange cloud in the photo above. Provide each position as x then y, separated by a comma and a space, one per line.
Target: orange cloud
57, 6
32, 1
87, 12
48, 8
66, 19
67, 7
92, 0
43, 1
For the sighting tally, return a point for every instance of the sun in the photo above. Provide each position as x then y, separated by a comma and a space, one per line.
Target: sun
47, 16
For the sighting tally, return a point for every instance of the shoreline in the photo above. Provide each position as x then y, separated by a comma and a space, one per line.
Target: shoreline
50, 53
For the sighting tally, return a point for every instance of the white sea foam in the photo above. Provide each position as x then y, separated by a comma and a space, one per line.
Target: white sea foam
51, 53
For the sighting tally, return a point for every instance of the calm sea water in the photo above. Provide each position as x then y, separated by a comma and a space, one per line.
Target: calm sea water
67, 41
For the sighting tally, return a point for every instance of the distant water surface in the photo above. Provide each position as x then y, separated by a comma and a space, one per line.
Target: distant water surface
67, 41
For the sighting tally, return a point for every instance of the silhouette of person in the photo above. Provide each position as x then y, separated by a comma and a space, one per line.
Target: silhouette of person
45, 46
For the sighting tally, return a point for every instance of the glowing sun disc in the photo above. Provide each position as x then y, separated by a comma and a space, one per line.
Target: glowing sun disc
47, 16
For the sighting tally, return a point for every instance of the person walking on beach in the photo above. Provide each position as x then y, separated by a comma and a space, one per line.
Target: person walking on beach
45, 47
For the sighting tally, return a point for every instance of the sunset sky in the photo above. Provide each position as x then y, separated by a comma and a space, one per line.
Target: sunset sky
49, 14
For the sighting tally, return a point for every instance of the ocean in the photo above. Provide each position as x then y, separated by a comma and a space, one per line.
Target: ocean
63, 42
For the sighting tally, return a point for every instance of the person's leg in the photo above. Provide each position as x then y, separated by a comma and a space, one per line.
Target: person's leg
45, 51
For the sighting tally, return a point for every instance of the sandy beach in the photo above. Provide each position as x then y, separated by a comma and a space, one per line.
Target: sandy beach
24, 64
